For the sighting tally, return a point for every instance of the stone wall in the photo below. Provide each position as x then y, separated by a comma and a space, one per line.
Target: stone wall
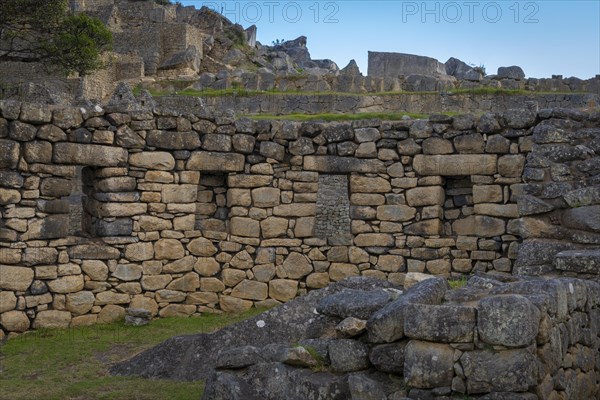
281, 104
350, 80
187, 212
511, 339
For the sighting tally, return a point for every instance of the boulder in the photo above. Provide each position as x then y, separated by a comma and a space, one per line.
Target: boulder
289, 323
354, 303
512, 72
387, 324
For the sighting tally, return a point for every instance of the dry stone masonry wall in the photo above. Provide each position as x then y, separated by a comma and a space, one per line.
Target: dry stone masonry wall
491, 339
181, 213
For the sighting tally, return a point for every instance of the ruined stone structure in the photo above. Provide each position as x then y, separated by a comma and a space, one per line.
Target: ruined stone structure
396, 64
520, 340
144, 206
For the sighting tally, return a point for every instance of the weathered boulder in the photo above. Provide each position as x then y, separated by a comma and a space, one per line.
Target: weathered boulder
289, 323
387, 324
354, 303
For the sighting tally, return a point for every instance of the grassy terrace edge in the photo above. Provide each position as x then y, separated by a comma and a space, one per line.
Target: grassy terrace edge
249, 93
73, 363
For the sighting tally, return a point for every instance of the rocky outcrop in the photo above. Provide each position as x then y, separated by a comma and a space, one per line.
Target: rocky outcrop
517, 339
294, 322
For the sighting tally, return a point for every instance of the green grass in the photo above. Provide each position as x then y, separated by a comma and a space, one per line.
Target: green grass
329, 117
180, 90
73, 363
458, 283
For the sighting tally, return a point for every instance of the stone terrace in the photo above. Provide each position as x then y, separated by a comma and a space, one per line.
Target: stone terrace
185, 213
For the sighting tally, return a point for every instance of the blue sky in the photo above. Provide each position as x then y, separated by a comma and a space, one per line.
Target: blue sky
543, 37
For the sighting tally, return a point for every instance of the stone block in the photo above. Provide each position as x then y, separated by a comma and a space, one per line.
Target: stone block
353, 303
487, 194
243, 143
234, 305
511, 165
390, 263
10, 151
374, 240
347, 355
295, 266
80, 303
272, 150
155, 282
52, 319
168, 249
248, 181
251, 290
440, 323
389, 357
202, 247
187, 283
97, 270
283, 289
38, 152
274, 227
216, 142
15, 278
246, 227
428, 365
66, 284
579, 261
317, 280
177, 310
387, 324
498, 210
15, 321
430, 227
173, 140
89, 155
266, 197
157, 160
508, 371
341, 271
172, 296
510, 321
21, 131
8, 301
437, 145
295, 210
399, 213
304, 227
455, 164
11, 179
51, 133
342, 165
426, 196
179, 193
471, 143
362, 184
488, 226
39, 255
128, 272
111, 313
216, 162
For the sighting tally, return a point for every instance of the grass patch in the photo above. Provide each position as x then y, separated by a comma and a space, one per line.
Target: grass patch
73, 363
330, 117
180, 90
457, 283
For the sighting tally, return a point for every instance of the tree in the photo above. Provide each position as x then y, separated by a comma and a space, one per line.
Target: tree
77, 47
46, 31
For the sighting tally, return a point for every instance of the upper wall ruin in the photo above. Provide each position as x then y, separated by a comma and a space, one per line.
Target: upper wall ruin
185, 212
